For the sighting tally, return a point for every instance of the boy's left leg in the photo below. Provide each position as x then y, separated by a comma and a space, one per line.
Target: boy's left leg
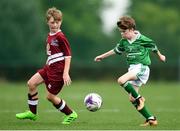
150, 119
70, 114
138, 98
151, 122
124, 82
63, 107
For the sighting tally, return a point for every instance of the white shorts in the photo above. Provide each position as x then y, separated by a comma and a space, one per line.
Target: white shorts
142, 72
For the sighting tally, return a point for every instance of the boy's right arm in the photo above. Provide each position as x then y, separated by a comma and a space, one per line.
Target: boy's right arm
100, 57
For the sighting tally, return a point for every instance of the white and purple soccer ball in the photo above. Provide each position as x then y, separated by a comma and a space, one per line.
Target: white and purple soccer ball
93, 102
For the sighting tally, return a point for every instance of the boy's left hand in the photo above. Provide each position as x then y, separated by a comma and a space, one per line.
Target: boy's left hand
67, 79
162, 58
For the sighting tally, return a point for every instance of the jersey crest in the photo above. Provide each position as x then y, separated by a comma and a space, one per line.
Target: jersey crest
54, 42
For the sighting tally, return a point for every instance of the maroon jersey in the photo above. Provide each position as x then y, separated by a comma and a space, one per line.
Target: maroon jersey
57, 49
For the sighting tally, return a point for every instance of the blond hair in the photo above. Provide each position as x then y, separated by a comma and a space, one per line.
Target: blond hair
55, 13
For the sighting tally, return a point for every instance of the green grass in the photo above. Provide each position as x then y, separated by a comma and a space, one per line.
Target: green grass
162, 99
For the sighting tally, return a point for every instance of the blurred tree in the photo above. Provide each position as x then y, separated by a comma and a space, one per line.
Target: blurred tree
24, 30
21, 33
165, 3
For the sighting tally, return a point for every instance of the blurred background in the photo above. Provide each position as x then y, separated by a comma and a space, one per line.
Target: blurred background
90, 26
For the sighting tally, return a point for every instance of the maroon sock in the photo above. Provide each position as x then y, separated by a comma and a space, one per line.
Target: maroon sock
62, 106
32, 103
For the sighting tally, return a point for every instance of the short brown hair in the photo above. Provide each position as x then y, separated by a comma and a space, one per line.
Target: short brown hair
55, 13
126, 22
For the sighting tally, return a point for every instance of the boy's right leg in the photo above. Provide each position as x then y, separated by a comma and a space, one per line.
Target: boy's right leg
138, 98
26, 115
32, 98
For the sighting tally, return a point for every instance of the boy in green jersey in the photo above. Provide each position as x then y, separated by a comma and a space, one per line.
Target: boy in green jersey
137, 47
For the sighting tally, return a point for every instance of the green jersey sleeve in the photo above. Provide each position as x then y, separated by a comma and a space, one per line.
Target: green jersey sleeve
119, 49
149, 44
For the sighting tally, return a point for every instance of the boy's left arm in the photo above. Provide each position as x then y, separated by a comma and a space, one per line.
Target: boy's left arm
161, 56
148, 43
66, 77
67, 55
154, 49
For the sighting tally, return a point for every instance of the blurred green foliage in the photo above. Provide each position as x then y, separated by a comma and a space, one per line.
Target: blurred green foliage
23, 32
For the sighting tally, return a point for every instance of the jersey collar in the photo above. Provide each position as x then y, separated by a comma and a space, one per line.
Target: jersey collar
51, 34
138, 34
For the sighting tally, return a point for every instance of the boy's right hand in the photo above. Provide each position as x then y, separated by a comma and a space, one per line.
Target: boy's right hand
98, 58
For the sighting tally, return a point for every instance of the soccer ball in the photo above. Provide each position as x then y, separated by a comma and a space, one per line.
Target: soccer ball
93, 102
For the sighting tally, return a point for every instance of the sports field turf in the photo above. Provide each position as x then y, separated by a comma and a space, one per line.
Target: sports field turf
163, 99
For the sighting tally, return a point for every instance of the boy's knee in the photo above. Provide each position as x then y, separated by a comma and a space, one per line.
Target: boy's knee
120, 81
31, 85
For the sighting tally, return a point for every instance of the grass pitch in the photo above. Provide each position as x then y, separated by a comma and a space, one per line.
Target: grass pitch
162, 99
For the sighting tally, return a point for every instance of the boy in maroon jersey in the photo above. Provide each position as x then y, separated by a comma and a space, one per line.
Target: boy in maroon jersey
55, 73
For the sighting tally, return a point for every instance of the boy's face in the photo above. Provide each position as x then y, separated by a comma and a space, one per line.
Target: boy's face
54, 25
126, 34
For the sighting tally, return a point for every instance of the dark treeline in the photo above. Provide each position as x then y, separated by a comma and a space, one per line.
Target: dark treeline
23, 33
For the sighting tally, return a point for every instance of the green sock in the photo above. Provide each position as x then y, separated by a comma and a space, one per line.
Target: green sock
143, 111
130, 89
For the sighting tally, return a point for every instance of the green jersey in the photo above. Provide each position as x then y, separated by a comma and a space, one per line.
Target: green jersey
137, 51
